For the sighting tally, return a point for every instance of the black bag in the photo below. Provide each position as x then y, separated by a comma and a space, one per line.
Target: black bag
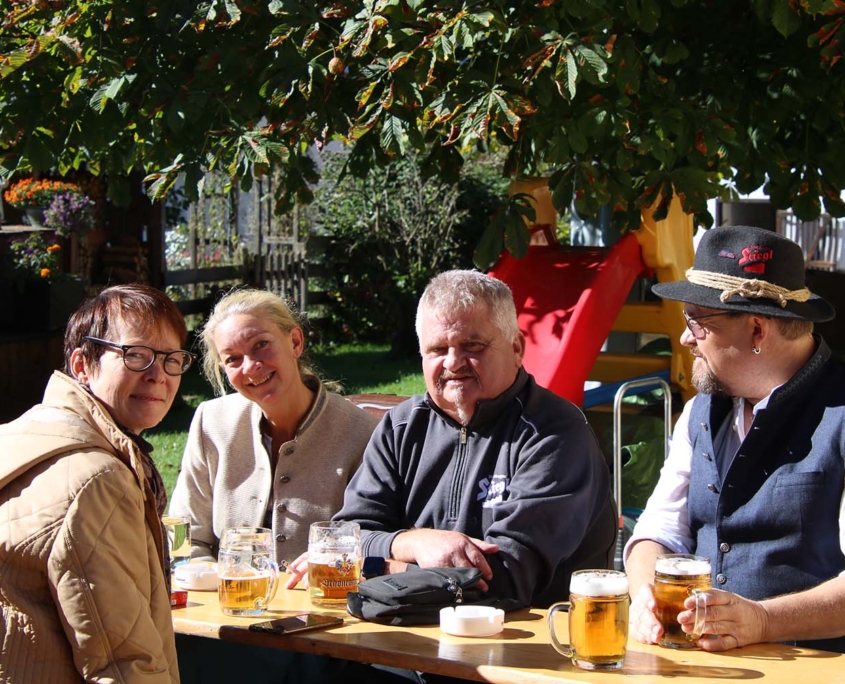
415, 597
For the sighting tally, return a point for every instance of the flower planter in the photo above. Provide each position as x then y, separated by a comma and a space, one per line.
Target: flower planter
34, 216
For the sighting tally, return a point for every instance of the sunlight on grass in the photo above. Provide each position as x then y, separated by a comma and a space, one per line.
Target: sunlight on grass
365, 368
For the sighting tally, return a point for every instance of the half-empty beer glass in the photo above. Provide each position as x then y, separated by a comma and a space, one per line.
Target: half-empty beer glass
676, 577
247, 574
598, 619
334, 561
178, 529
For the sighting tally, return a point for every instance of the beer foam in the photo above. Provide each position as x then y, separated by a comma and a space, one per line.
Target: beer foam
682, 567
598, 583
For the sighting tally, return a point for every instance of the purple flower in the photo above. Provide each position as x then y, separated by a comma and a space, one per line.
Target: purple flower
68, 213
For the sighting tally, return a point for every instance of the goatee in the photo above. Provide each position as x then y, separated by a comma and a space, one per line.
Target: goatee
703, 378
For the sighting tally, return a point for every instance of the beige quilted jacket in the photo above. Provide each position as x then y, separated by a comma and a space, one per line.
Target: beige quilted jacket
82, 590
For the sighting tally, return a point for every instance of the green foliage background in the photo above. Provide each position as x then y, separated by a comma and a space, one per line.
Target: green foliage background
624, 103
389, 234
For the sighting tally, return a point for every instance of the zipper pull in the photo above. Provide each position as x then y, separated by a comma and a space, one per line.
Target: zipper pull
456, 589
463, 435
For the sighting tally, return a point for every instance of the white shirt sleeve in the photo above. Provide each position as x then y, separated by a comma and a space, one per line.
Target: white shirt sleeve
666, 517
842, 528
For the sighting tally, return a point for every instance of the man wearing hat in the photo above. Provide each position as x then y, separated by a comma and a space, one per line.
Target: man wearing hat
754, 477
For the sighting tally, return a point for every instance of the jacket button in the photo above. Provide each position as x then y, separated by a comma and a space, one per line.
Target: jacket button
707, 456
712, 488
721, 579
281, 538
281, 508
289, 451
724, 547
704, 427
285, 479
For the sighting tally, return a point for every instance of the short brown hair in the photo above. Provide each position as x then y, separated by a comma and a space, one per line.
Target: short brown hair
144, 304
793, 328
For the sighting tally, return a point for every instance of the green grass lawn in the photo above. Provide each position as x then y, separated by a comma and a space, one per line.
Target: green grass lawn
359, 368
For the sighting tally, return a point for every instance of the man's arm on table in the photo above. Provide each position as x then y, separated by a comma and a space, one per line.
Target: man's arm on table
665, 518
373, 498
640, 570
817, 613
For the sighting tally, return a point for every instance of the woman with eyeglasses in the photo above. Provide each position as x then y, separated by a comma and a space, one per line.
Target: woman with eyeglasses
84, 595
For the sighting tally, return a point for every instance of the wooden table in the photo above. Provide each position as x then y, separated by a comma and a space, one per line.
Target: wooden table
519, 655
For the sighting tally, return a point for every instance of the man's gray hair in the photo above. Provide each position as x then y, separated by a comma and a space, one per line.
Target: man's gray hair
465, 290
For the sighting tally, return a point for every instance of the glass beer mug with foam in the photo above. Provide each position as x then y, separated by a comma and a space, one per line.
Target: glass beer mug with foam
598, 619
247, 574
334, 561
676, 577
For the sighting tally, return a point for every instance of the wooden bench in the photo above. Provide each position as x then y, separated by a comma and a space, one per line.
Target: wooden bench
377, 404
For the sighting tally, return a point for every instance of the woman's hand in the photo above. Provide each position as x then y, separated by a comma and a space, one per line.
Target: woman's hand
297, 572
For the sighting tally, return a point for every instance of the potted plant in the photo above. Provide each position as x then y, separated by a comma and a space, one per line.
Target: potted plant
44, 295
34, 197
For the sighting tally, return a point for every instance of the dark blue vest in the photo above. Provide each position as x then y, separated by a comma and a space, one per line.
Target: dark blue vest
771, 526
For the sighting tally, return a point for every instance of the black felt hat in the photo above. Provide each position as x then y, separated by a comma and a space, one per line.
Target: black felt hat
750, 270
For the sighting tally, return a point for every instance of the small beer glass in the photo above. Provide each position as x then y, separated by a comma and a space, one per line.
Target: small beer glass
598, 620
334, 561
676, 577
247, 574
178, 529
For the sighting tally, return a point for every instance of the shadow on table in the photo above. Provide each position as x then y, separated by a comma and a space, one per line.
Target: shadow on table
459, 657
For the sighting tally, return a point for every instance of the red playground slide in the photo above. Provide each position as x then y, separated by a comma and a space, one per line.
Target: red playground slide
567, 299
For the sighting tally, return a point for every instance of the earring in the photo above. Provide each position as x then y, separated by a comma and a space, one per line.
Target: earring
755, 350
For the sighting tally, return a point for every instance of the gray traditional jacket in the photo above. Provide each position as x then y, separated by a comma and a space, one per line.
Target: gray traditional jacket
227, 480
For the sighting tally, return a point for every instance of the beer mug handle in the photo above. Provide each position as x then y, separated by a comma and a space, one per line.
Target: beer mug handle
700, 613
269, 565
563, 649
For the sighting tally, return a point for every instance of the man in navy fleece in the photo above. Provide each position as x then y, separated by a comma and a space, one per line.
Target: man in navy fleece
487, 469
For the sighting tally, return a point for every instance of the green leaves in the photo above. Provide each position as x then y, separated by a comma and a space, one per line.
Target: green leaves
508, 230
619, 103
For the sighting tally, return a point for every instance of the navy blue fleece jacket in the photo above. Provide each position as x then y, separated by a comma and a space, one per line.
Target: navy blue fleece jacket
526, 473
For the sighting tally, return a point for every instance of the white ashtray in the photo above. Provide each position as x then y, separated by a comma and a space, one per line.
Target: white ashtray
472, 621
196, 576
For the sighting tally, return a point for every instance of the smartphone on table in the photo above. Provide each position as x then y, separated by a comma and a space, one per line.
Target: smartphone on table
297, 623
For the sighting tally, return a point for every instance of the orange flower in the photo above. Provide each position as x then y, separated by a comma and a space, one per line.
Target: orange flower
45, 272
54, 248
32, 193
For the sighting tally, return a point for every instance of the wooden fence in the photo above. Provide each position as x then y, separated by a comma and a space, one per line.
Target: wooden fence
235, 238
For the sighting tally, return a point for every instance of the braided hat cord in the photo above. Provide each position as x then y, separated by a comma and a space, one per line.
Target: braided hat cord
744, 287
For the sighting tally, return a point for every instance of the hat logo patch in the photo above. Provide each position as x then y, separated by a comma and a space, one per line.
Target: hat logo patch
754, 258
727, 254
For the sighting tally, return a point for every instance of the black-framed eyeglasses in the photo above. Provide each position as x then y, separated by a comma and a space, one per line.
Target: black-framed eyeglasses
694, 324
137, 357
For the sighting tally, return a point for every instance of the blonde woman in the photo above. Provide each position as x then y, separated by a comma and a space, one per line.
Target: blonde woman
278, 453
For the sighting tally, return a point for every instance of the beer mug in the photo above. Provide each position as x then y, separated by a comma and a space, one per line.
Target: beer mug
334, 561
178, 529
598, 619
247, 574
677, 576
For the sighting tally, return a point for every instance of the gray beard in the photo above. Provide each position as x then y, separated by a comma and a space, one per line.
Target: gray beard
460, 404
460, 407
703, 379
